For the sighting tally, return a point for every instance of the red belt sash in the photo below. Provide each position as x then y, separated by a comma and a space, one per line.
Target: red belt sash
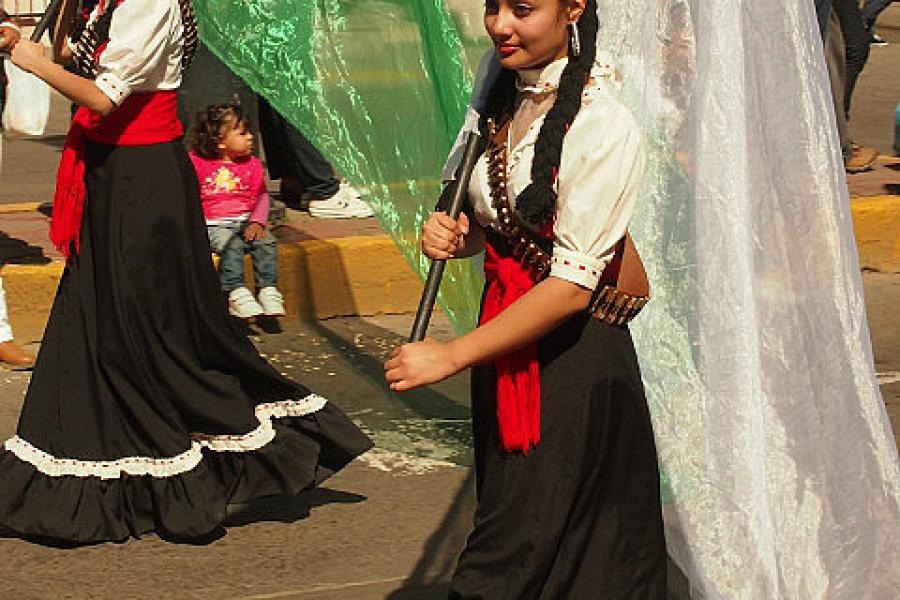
142, 119
518, 374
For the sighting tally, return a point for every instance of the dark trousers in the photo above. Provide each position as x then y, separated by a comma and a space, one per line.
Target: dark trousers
290, 154
856, 44
823, 9
871, 9
837, 72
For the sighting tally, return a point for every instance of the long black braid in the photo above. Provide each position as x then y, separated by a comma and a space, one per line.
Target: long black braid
85, 7
537, 202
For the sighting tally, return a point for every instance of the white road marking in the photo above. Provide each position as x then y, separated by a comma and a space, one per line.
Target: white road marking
325, 587
399, 463
888, 377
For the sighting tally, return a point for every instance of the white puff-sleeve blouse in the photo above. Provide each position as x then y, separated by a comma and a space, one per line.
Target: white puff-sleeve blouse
598, 182
144, 50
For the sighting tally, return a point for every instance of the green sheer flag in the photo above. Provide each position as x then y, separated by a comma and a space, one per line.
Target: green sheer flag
380, 87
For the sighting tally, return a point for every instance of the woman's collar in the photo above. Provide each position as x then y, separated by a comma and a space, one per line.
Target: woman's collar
542, 79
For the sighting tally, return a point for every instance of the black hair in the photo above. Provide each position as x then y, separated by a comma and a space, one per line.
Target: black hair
206, 131
85, 8
537, 202
104, 22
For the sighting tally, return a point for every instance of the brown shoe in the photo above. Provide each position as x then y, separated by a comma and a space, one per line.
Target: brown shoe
861, 159
14, 356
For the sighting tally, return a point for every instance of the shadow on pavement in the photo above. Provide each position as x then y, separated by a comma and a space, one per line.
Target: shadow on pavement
47, 542
54, 141
288, 509
430, 404
431, 575
14, 251
428, 592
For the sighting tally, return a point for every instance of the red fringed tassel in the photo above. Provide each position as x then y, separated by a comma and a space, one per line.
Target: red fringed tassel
68, 200
518, 374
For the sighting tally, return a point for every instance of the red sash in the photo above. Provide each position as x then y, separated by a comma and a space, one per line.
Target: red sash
518, 374
142, 119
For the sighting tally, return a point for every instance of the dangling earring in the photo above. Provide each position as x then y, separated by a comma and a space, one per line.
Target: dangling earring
574, 40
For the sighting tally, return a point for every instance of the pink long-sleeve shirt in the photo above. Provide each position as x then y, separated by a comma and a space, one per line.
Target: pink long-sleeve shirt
232, 191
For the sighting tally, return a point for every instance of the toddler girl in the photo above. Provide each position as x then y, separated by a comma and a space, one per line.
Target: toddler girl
236, 207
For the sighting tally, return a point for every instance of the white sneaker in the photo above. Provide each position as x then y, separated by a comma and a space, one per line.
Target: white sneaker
272, 301
241, 304
345, 204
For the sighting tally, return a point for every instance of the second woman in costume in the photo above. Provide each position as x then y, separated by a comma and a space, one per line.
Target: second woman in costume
146, 410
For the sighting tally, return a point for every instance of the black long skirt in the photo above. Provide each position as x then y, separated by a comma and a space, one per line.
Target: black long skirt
147, 411
579, 516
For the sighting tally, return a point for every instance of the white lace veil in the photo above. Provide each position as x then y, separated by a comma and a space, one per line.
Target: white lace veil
779, 470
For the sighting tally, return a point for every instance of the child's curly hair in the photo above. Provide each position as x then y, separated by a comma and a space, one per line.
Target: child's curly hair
209, 127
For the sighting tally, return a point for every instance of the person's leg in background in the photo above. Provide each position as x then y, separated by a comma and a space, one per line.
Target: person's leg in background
292, 159
10, 353
302, 169
823, 12
856, 158
856, 44
837, 68
870, 11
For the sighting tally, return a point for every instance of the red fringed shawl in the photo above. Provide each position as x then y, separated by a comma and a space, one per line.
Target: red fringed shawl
518, 374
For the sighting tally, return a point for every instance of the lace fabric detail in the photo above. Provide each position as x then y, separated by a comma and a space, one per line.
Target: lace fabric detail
169, 466
779, 473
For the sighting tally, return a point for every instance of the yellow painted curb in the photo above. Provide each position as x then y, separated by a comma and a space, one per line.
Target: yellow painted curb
367, 275
876, 222
19, 207
362, 275
30, 290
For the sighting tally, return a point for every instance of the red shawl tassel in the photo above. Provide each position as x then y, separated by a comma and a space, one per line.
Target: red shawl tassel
518, 374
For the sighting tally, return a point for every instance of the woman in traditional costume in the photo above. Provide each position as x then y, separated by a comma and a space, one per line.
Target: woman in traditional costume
567, 479
146, 411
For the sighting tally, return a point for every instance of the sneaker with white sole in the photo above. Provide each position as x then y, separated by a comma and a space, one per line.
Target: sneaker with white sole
345, 204
242, 304
272, 301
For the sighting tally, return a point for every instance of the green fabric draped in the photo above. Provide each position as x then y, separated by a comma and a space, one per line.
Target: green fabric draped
379, 86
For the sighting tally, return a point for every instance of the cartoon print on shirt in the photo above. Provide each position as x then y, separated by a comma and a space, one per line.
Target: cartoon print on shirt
223, 181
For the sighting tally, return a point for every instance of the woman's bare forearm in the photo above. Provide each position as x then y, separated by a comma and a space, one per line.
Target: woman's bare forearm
528, 319
77, 89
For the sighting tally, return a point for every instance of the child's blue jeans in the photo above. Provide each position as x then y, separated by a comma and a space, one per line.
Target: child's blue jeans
228, 242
